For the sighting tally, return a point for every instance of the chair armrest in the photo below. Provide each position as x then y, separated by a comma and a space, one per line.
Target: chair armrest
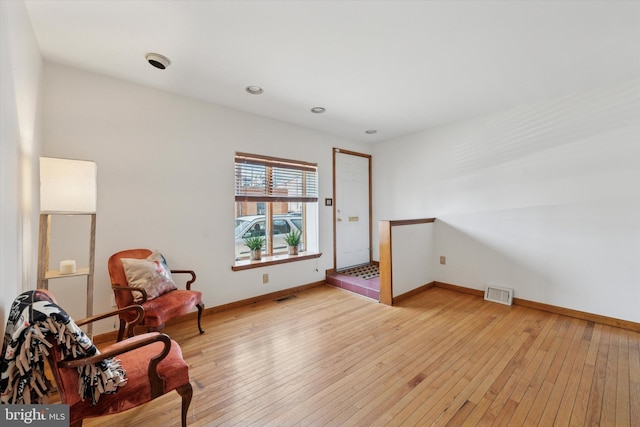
191, 272
157, 382
130, 289
138, 309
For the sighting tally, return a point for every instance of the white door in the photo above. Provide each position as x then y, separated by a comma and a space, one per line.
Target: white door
353, 241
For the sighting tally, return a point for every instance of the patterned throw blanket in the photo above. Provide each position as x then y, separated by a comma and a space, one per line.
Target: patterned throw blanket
32, 318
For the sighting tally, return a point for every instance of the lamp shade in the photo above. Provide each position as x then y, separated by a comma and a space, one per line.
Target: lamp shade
67, 186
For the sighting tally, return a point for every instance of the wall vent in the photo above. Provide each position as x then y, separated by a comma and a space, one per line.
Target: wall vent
285, 298
499, 295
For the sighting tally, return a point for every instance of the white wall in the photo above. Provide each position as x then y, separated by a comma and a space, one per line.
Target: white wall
20, 71
165, 177
413, 257
544, 199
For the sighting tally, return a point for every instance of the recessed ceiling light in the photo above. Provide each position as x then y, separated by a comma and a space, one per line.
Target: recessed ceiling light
159, 61
318, 110
254, 90
371, 131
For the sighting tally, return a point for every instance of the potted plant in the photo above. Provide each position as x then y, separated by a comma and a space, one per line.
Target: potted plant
255, 243
293, 240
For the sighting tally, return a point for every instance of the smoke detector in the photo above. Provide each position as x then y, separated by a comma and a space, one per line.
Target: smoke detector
157, 60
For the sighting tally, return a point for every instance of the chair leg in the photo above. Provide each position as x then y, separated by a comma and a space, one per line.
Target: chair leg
186, 391
200, 309
121, 330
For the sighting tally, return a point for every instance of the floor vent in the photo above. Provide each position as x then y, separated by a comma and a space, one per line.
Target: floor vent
498, 294
288, 297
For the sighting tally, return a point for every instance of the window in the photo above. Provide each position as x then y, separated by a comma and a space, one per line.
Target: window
274, 196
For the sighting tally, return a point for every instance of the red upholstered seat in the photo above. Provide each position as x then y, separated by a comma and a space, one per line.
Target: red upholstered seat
145, 380
172, 304
158, 310
137, 391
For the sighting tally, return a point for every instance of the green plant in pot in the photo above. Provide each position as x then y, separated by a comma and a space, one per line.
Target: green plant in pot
255, 244
293, 240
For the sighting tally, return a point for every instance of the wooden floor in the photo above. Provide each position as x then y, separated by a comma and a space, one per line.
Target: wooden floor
331, 358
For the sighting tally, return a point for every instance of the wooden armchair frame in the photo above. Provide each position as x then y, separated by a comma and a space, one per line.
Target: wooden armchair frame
158, 384
158, 310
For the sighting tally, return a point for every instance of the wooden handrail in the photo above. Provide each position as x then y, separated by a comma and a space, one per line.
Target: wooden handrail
411, 221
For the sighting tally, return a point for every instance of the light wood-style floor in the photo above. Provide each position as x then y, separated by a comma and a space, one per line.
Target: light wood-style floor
331, 358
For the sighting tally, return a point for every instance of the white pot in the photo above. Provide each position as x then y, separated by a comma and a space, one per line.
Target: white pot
256, 254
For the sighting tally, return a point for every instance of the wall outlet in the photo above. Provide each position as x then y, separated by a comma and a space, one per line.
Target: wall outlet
443, 260
265, 278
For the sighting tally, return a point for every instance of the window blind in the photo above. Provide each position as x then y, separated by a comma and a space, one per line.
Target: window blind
270, 179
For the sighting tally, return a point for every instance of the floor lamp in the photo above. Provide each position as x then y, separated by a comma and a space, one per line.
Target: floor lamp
67, 187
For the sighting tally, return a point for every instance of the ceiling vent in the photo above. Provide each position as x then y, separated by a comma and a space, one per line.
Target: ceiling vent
159, 61
499, 295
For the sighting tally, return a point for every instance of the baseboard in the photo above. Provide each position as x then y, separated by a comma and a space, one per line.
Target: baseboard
254, 300
605, 320
457, 288
590, 317
193, 316
596, 318
106, 337
413, 292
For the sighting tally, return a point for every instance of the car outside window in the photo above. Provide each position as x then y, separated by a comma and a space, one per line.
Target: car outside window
254, 225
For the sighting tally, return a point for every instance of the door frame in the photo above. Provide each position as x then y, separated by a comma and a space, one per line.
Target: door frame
335, 233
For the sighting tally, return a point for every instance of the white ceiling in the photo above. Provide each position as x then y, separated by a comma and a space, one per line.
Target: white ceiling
395, 66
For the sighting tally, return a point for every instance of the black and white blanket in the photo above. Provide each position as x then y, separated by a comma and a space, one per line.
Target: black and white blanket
32, 318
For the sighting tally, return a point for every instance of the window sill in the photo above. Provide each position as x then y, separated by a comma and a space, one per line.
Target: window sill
247, 264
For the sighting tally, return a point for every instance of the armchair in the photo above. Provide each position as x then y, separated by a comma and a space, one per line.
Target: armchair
147, 366
158, 310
